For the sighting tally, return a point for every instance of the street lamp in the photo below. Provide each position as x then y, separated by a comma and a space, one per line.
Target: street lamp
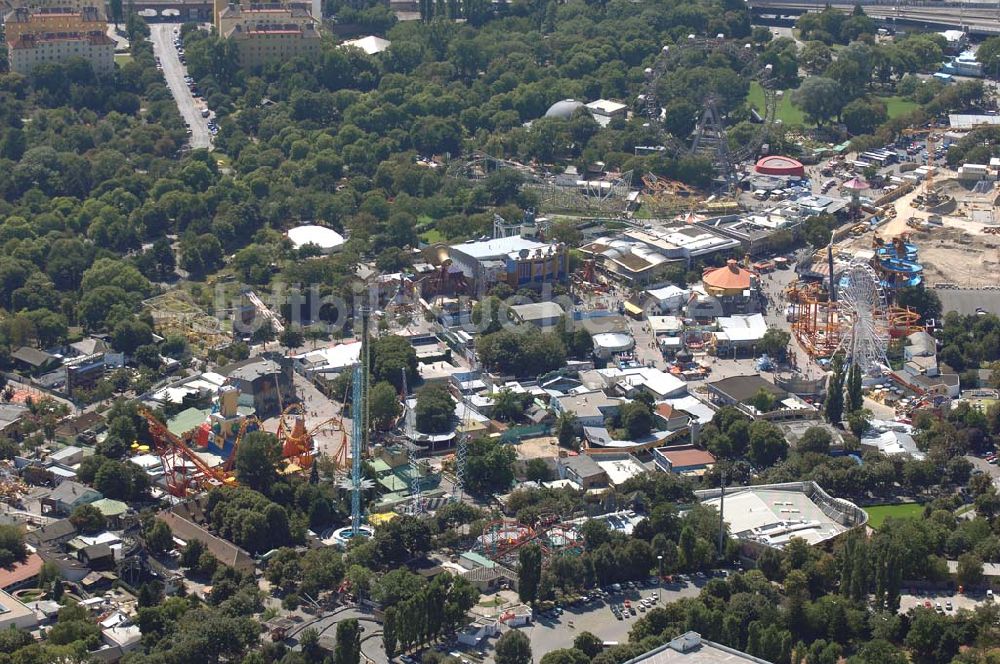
659, 561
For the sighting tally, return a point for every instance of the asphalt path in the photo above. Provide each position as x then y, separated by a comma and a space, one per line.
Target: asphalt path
174, 72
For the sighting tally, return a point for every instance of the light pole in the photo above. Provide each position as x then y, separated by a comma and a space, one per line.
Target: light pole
659, 563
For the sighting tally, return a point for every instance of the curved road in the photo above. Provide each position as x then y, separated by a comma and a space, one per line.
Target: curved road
371, 645
174, 72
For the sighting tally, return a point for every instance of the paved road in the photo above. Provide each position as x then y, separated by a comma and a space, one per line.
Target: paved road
978, 18
174, 72
326, 625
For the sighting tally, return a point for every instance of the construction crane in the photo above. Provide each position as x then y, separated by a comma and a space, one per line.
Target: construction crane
184, 470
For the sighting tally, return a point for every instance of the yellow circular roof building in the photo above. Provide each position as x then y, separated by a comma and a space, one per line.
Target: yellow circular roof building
730, 279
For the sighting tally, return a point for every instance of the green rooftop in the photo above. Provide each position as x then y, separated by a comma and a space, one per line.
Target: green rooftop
186, 420
393, 483
110, 507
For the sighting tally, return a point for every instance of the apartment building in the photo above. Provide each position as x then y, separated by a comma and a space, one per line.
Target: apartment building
269, 33
51, 35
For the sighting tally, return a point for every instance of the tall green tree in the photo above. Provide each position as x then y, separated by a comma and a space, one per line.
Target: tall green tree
855, 398
389, 632
529, 574
834, 406
348, 646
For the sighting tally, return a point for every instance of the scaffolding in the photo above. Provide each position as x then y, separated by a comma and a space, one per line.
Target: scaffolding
816, 320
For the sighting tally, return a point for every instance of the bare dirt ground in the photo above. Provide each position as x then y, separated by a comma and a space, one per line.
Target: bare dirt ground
544, 447
960, 252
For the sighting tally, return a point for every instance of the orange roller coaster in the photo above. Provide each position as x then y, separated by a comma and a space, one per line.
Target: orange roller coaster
815, 320
297, 442
184, 471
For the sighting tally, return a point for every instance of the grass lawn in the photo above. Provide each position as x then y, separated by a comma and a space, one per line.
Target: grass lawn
122, 58
788, 114
432, 235
877, 514
896, 106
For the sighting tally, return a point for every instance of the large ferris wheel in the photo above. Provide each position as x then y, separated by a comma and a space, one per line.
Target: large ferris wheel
864, 316
701, 127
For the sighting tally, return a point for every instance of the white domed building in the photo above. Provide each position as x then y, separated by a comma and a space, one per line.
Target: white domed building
327, 239
565, 109
608, 344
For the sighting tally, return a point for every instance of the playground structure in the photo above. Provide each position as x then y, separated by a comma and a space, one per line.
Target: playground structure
897, 263
502, 539
608, 195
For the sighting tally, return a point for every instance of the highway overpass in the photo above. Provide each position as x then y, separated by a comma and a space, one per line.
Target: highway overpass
977, 18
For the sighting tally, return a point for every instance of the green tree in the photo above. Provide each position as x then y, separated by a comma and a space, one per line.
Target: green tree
925, 302
536, 470
855, 397
820, 98
12, 549
348, 645
767, 444
129, 334
513, 648
507, 405
859, 421
763, 401
159, 538
384, 406
434, 410
774, 342
588, 644
815, 57
391, 355
864, 117
389, 632
256, 460
834, 406
88, 519
566, 429
116, 11
636, 418
292, 337
988, 54
818, 229
970, 570
309, 643
815, 440
489, 467
529, 574
191, 553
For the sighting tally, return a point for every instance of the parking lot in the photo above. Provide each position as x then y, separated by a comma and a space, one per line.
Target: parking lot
944, 599
552, 630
